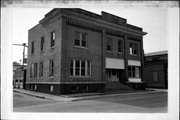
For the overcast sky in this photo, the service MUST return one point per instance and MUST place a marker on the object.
(152, 20)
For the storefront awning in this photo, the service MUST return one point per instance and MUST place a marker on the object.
(114, 63)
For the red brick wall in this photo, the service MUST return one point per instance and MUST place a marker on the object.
(35, 35)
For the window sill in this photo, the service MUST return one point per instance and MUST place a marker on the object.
(51, 77)
(80, 47)
(52, 47)
(109, 52)
(133, 55)
(79, 76)
(120, 53)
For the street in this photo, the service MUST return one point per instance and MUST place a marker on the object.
(21, 100)
(155, 102)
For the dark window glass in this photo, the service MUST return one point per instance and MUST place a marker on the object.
(53, 37)
(77, 68)
(109, 44)
(88, 68)
(120, 46)
(133, 49)
(77, 39)
(84, 40)
(82, 68)
(40, 69)
(42, 43)
(35, 69)
(71, 67)
(32, 47)
(51, 68)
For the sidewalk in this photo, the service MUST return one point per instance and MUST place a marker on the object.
(79, 96)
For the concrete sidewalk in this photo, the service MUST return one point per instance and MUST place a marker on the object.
(77, 97)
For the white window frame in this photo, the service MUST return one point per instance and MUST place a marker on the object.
(136, 72)
(121, 46)
(53, 37)
(80, 39)
(41, 69)
(86, 68)
(51, 68)
(42, 43)
(51, 88)
(111, 44)
(133, 48)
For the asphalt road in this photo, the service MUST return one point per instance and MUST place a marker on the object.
(138, 103)
(22, 100)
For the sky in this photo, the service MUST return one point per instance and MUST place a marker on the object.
(152, 20)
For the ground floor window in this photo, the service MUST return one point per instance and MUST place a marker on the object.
(134, 72)
(51, 88)
(51, 68)
(80, 68)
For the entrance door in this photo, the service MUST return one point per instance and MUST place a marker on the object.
(112, 75)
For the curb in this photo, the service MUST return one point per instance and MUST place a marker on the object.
(73, 99)
(111, 95)
(30, 94)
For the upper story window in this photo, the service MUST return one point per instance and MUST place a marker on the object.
(42, 43)
(80, 68)
(134, 72)
(109, 44)
(40, 69)
(120, 46)
(81, 39)
(51, 68)
(32, 47)
(53, 37)
(133, 49)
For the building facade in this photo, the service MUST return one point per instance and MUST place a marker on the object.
(74, 50)
(156, 70)
(18, 75)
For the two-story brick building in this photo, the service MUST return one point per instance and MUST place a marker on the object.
(74, 50)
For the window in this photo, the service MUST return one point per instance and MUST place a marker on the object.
(71, 67)
(32, 47)
(51, 88)
(35, 69)
(80, 68)
(84, 40)
(120, 46)
(40, 69)
(134, 72)
(35, 87)
(53, 37)
(80, 39)
(109, 44)
(31, 70)
(42, 43)
(83, 68)
(77, 39)
(88, 68)
(133, 49)
(77, 68)
(51, 68)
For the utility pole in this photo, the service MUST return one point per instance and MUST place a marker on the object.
(23, 61)
(24, 45)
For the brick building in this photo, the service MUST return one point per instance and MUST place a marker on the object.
(18, 75)
(74, 50)
(156, 69)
